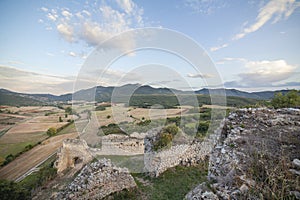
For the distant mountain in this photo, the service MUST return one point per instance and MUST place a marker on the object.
(265, 95)
(17, 99)
(101, 93)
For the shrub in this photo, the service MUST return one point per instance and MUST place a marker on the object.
(51, 131)
(164, 140)
(171, 129)
(291, 99)
(10, 190)
(202, 128)
(100, 108)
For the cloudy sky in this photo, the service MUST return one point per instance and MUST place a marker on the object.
(254, 45)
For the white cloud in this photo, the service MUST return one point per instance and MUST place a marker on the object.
(86, 12)
(85, 25)
(229, 59)
(41, 21)
(203, 76)
(44, 9)
(66, 31)
(73, 54)
(66, 14)
(218, 47)
(25, 81)
(52, 17)
(205, 6)
(263, 73)
(274, 9)
(50, 54)
(126, 5)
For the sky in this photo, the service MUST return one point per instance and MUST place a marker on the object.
(248, 45)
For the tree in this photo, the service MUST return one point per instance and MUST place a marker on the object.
(171, 129)
(69, 110)
(51, 131)
(202, 128)
(291, 99)
(10, 190)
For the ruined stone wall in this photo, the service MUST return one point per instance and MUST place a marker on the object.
(254, 139)
(184, 154)
(73, 152)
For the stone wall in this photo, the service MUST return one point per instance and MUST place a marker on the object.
(73, 153)
(254, 141)
(184, 154)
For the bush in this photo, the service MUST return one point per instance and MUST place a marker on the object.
(202, 128)
(171, 129)
(291, 99)
(100, 108)
(164, 140)
(144, 123)
(69, 111)
(51, 131)
(10, 190)
(165, 137)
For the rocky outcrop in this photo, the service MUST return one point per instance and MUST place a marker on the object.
(258, 151)
(201, 192)
(73, 153)
(97, 180)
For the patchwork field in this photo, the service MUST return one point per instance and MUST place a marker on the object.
(21, 127)
(20, 165)
(119, 113)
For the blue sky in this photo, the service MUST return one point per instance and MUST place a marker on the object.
(254, 45)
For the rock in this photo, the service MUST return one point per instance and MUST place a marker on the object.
(296, 194)
(296, 172)
(296, 163)
(201, 192)
(244, 188)
(100, 182)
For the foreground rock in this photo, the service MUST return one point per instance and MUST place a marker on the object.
(257, 156)
(97, 180)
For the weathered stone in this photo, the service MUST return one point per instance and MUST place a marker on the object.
(296, 163)
(73, 152)
(105, 184)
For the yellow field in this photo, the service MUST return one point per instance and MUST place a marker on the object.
(119, 113)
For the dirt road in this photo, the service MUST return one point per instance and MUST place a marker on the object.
(31, 158)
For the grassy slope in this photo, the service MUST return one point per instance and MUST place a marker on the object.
(173, 184)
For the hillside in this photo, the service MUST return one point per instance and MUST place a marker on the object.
(101, 94)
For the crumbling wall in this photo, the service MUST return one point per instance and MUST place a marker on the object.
(74, 152)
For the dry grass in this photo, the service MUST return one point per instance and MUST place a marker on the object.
(119, 113)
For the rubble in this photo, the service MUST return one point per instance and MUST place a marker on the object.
(97, 180)
(253, 143)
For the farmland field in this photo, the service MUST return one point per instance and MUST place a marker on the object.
(120, 113)
(20, 165)
(26, 126)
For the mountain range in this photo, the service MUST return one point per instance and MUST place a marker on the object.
(101, 93)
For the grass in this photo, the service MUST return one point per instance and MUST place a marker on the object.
(133, 163)
(14, 149)
(69, 129)
(36, 179)
(173, 184)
